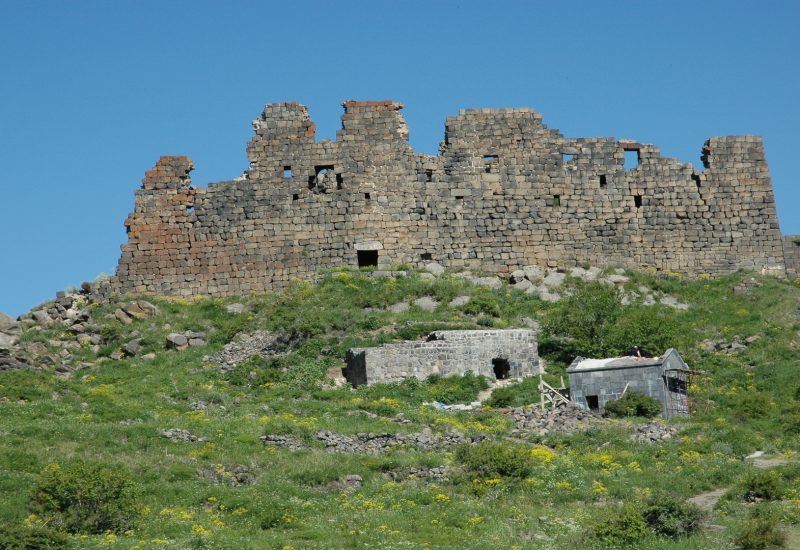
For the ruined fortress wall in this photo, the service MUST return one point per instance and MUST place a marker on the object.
(446, 353)
(506, 191)
(791, 250)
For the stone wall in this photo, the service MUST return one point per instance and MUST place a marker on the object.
(513, 352)
(505, 192)
(791, 251)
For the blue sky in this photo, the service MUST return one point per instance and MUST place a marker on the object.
(93, 92)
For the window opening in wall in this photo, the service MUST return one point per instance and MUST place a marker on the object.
(696, 179)
(631, 159)
(339, 181)
(366, 196)
(637, 201)
(295, 197)
(320, 178)
(603, 180)
(429, 175)
(287, 172)
(566, 157)
(488, 162)
(592, 402)
(367, 258)
(459, 197)
(676, 385)
(501, 368)
(189, 209)
(426, 256)
(556, 200)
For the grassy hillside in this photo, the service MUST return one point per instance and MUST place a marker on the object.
(230, 490)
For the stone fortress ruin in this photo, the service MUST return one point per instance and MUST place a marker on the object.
(504, 192)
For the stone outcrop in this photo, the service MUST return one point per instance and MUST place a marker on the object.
(499, 354)
(505, 192)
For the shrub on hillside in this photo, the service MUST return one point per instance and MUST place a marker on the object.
(765, 485)
(671, 517)
(618, 526)
(633, 403)
(488, 459)
(14, 537)
(516, 395)
(760, 531)
(455, 389)
(584, 319)
(84, 497)
(652, 328)
(753, 404)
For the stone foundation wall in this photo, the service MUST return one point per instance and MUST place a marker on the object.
(505, 192)
(791, 251)
(446, 353)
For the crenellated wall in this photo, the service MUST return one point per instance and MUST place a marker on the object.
(505, 192)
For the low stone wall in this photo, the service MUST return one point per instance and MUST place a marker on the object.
(492, 353)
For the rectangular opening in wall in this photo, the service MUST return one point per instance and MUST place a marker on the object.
(459, 197)
(566, 157)
(287, 172)
(603, 181)
(295, 197)
(556, 200)
(593, 402)
(367, 258)
(631, 159)
(489, 161)
(426, 256)
(339, 181)
(637, 201)
(429, 175)
(190, 209)
(367, 196)
(696, 179)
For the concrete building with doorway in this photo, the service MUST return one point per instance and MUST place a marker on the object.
(497, 354)
(594, 382)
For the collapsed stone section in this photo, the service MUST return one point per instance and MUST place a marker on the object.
(498, 354)
(506, 191)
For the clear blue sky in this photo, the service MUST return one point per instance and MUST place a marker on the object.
(93, 92)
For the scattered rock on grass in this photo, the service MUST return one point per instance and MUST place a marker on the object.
(176, 434)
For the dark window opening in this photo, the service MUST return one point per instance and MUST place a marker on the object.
(295, 197)
(189, 209)
(501, 368)
(321, 174)
(637, 201)
(287, 172)
(631, 159)
(366, 196)
(488, 161)
(426, 256)
(459, 197)
(593, 402)
(429, 175)
(676, 385)
(367, 258)
(556, 200)
(566, 157)
(696, 179)
(603, 180)
(339, 181)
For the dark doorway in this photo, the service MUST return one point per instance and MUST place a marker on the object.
(501, 368)
(593, 402)
(367, 258)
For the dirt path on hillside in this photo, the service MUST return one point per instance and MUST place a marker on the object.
(706, 501)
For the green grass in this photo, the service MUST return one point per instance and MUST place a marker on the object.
(112, 412)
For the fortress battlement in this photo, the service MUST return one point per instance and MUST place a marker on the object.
(505, 191)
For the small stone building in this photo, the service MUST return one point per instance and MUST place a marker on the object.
(496, 354)
(594, 382)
